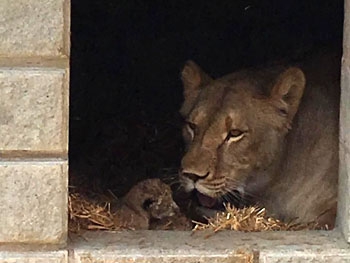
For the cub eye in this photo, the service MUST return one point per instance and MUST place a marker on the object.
(234, 135)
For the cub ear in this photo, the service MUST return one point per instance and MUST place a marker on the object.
(288, 90)
(193, 77)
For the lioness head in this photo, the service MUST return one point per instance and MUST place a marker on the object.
(234, 129)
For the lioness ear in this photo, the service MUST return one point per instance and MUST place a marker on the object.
(193, 77)
(288, 90)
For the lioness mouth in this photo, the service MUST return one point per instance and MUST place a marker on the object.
(215, 203)
(205, 200)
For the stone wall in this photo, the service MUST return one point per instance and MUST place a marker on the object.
(344, 137)
(34, 77)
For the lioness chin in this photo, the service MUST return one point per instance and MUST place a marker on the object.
(266, 137)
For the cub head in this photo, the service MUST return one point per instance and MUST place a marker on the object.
(234, 130)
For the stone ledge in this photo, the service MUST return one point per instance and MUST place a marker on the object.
(154, 246)
(34, 28)
(34, 62)
(176, 246)
(345, 106)
(290, 255)
(33, 256)
(227, 246)
(343, 192)
(34, 201)
(34, 110)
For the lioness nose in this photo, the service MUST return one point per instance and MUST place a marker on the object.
(195, 177)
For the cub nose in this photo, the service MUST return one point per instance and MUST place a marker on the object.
(195, 177)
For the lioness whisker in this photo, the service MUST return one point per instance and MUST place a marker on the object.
(179, 187)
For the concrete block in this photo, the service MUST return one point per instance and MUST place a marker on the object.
(290, 256)
(225, 246)
(33, 256)
(112, 258)
(33, 202)
(33, 110)
(343, 215)
(155, 247)
(304, 246)
(34, 28)
(344, 103)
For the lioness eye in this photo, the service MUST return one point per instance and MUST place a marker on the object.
(234, 135)
(191, 125)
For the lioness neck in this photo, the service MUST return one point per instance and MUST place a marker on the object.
(309, 167)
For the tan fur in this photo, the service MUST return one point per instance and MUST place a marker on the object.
(282, 151)
(156, 195)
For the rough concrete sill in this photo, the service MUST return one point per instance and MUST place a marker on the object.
(172, 246)
(166, 246)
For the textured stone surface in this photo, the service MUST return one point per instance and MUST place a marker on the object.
(176, 246)
(33, 257)
(37, 62)
(111, 258)
(33, 110)
(305, 246)
(155, 246)
(344, 155)
(344, 104)
(343, 214)
(228, 246)
(34, 27)
(33, 202)
(345, 81)
(284, 256)
(327, 248)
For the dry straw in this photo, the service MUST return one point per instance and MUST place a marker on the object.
(88, 214)
(250, 219)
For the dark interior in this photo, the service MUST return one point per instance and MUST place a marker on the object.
(125, 65)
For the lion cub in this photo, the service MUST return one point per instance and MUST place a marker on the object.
(266, 137)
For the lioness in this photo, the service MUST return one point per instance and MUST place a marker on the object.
(268, 137)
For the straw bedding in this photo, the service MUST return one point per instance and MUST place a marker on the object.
(99, 213)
